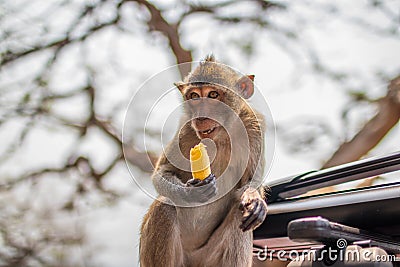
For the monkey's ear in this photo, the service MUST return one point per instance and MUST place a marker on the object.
(245, 86)
(180, 86)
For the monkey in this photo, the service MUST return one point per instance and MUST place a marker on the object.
(209, 222)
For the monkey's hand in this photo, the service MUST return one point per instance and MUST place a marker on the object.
(201, 190)
(254, 209)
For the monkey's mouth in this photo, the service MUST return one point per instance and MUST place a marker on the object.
(209, 133)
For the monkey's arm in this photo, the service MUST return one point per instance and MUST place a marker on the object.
(253, 207)
(252, 192)
(168, 182)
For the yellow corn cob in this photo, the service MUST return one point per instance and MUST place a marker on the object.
(199, 161)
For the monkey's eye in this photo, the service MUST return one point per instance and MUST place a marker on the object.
(213, 94)
(194, 95)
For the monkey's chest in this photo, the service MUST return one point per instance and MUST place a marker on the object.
(197, 224)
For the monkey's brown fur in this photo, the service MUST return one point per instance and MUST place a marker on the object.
(217, 233)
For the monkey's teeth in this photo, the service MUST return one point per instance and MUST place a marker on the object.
(208, 131)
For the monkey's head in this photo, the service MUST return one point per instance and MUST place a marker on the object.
(214, 94)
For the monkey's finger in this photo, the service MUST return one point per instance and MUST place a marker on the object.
(196, 183)
(210, 187)
(254, 224)
(244, 205)
(250, 209)
(257, 217)
(193, 182)
(248, 214)
(211, 183)
(249, 220)
(260, 219)
(209, 180)
(204, 187)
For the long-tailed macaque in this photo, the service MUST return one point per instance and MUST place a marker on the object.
(209, 222)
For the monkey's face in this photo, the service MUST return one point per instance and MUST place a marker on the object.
(214, 98)
(207, 109)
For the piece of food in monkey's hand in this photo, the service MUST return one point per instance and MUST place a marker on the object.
(200, 162)
(254, 212)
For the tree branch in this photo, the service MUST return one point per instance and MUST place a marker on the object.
(10, 56)
(158, 23)
(374, 130)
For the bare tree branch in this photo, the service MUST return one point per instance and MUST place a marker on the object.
(11, 56)
(374, 131)
(158, 23)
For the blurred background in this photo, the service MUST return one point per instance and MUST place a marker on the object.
(68, 70)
